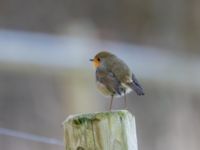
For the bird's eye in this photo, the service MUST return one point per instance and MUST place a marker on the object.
(98, 59)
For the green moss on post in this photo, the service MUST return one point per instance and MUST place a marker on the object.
(101, 131)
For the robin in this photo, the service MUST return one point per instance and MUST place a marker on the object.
(114, 77)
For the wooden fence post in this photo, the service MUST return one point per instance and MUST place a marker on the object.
(113, 130)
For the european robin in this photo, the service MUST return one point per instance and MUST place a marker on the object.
(114, 77)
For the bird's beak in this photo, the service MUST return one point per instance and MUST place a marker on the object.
(91, 59)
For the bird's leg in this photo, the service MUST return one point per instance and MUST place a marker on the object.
(125, 99)
(111, 102)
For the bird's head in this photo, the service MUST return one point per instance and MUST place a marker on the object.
(100, 58)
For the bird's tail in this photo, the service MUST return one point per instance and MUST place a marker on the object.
(136, 86)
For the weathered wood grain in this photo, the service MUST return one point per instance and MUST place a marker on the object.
(114, 130)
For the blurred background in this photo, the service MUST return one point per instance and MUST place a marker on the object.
(45, 73)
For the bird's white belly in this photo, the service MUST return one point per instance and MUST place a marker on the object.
(104, 90)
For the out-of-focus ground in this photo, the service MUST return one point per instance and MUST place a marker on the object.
(45, 73)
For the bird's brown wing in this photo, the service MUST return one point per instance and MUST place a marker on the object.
(122, 72)
(109, 80)
(120, 69)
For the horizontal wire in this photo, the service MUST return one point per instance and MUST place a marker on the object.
(28, 136)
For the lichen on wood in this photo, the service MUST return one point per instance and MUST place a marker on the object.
(113, 130)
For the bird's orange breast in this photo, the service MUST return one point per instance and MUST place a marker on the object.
(96, 63)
